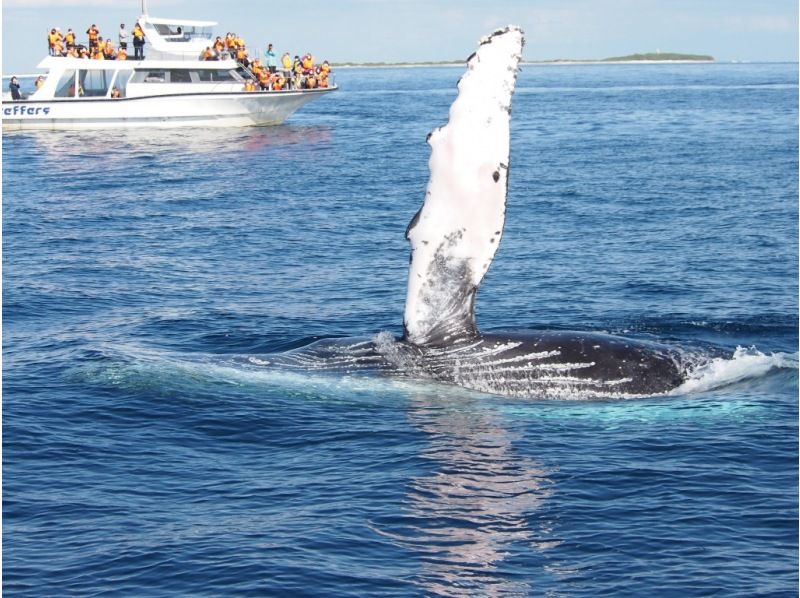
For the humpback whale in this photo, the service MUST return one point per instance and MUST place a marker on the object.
(454, 237)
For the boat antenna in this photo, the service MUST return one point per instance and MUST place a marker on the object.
(144, 7)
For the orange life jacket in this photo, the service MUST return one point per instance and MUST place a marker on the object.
(122, 54)
(241, 54)
(219, 45)
(278, 83)
(308, 62)
(93, 33)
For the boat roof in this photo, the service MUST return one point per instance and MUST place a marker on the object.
(63, 63)
(189, 22)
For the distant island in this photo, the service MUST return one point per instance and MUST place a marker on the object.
(647, 57)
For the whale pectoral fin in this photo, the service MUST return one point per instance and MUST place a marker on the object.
(455, 234)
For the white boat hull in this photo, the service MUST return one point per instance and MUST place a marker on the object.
(225, 109)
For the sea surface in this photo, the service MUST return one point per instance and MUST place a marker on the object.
(145, 273)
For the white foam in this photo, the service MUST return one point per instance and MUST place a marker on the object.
(744, 364)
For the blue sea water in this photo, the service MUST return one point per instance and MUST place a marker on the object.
(141, 270)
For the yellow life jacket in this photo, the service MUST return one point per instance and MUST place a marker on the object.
(287, 61)
(70, 38)
(308, 61)
(52, 38)
(241, 54)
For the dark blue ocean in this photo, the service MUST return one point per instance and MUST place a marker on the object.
(141, 271)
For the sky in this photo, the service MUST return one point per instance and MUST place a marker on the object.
(434, 30)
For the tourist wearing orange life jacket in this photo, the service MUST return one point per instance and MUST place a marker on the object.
(138, 42)
(94, 33)
(241, 55)
(219, 45)
(207, 54)
(278, 82)
(263, 79)
(308, 63)
(52, 38)
(122, 54)
(108, 51)
(69, 38)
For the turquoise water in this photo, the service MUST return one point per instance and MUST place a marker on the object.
(145, 276)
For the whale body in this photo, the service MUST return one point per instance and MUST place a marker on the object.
(454, 237)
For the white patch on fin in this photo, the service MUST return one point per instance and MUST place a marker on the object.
(455, 234)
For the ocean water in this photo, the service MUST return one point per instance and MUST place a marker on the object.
(146, 274)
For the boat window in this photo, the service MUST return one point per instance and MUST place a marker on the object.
(182, 33)
(94, 82)
(66, 85)
(155, 77)
(216, 75)
(121, 81)
(179, 76)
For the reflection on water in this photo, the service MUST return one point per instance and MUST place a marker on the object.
(473, 509)
(124, 144)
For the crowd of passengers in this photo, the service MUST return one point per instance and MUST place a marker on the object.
(297, 73)
(97, 48)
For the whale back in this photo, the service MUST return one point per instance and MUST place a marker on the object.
(455, 234)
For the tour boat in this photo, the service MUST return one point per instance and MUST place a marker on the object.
(170, 87)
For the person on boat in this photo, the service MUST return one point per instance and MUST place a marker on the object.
(13, 87)
(308, 63)
(73, 52)
(94, 33)
(52, 38)
(325, 67)
(263, 79)
(230, 44)
(122, 54)
(69, 39)
(115, 93)
(83, 52)
(138, 42)
(219, 45)
(39, 81)
(249, 85)
(286, 63)
(272, 59)
(58, 50)
(256, 67)
(311, 80)
(241, 55)
(278, 82)
(123, 37)
(207, 54)
(108, 50)
(97, 53)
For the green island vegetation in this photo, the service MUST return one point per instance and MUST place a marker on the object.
(646, 57)
(660, 56)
